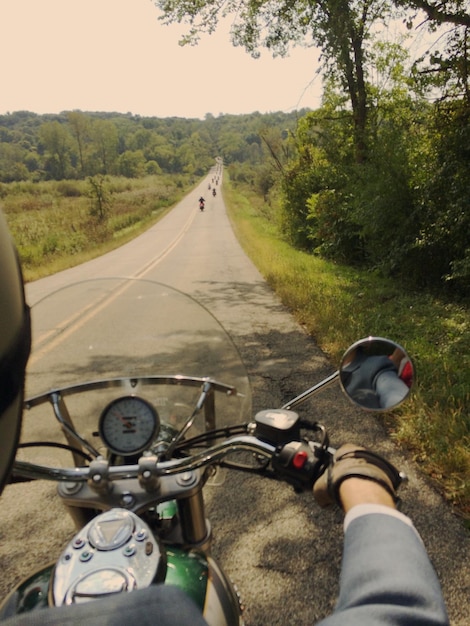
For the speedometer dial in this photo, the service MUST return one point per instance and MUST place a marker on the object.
(128, 425)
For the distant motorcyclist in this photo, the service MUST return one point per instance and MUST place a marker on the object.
(214, 193)
(202, 203)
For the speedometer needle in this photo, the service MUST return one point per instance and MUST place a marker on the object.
(126, 422)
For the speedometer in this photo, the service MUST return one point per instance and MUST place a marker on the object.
(128, 425)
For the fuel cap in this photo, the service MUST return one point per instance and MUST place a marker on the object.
(99, 583)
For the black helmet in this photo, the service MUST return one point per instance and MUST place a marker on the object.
(15, 344)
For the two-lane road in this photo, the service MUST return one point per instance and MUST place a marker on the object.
(280, 549)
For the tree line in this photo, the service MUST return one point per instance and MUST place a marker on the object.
(77, 145)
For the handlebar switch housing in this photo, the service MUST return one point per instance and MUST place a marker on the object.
(297, 464)
(277, 426)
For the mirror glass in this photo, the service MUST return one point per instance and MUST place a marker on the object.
(376, 374)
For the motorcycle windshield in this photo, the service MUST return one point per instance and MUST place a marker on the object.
(156, 340)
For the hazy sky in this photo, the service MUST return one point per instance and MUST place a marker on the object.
(114, 55)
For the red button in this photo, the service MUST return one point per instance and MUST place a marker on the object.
(299, 459)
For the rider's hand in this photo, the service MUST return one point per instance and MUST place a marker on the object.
(352, 461)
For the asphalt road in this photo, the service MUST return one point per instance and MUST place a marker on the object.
(281, 550)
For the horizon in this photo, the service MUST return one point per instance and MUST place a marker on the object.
(134, 115)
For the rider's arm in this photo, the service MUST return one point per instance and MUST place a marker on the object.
(386, 575)
(390, 388)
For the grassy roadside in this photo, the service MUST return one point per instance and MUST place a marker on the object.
(54, 224)
(339, 304)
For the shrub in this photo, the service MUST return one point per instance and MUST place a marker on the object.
(69, 189)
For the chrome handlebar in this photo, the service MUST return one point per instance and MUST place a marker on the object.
(210, 456)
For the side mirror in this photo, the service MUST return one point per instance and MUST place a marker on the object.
(376, 374)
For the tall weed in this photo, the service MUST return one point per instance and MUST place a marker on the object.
(54, 225)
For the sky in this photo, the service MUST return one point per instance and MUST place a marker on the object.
(115, 55)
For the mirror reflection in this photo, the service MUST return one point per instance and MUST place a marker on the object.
(376, 374)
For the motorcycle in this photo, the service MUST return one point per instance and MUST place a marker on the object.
(145, 445)
(202, 204)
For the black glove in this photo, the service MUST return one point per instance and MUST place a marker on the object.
(353, 461)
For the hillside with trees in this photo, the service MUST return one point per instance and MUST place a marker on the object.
(402, 211)
(75, 145)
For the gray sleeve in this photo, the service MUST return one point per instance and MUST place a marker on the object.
(386, 577)
(157, 605)
(390, 389)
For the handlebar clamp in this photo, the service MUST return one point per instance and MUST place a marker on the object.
(148, 478)
(99, 476)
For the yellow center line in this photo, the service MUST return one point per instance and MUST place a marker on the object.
(76, 322)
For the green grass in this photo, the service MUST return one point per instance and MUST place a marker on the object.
(339, 304)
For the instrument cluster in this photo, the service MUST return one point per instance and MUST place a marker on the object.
(128, 425)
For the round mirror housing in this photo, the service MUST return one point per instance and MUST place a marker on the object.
(376, 374)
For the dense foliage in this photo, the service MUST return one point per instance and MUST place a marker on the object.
(76, 145)
(404, 211)
(337, 303)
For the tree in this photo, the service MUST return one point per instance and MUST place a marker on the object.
(441, 252)
(56, 141)
(132, 163)
(80, 127)
(341, 28)
(105, 140)
(12, 165)
(344, 30)
(445, 67)
(448, 12)
(231, 145)
(100, 197)
(196, 155)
